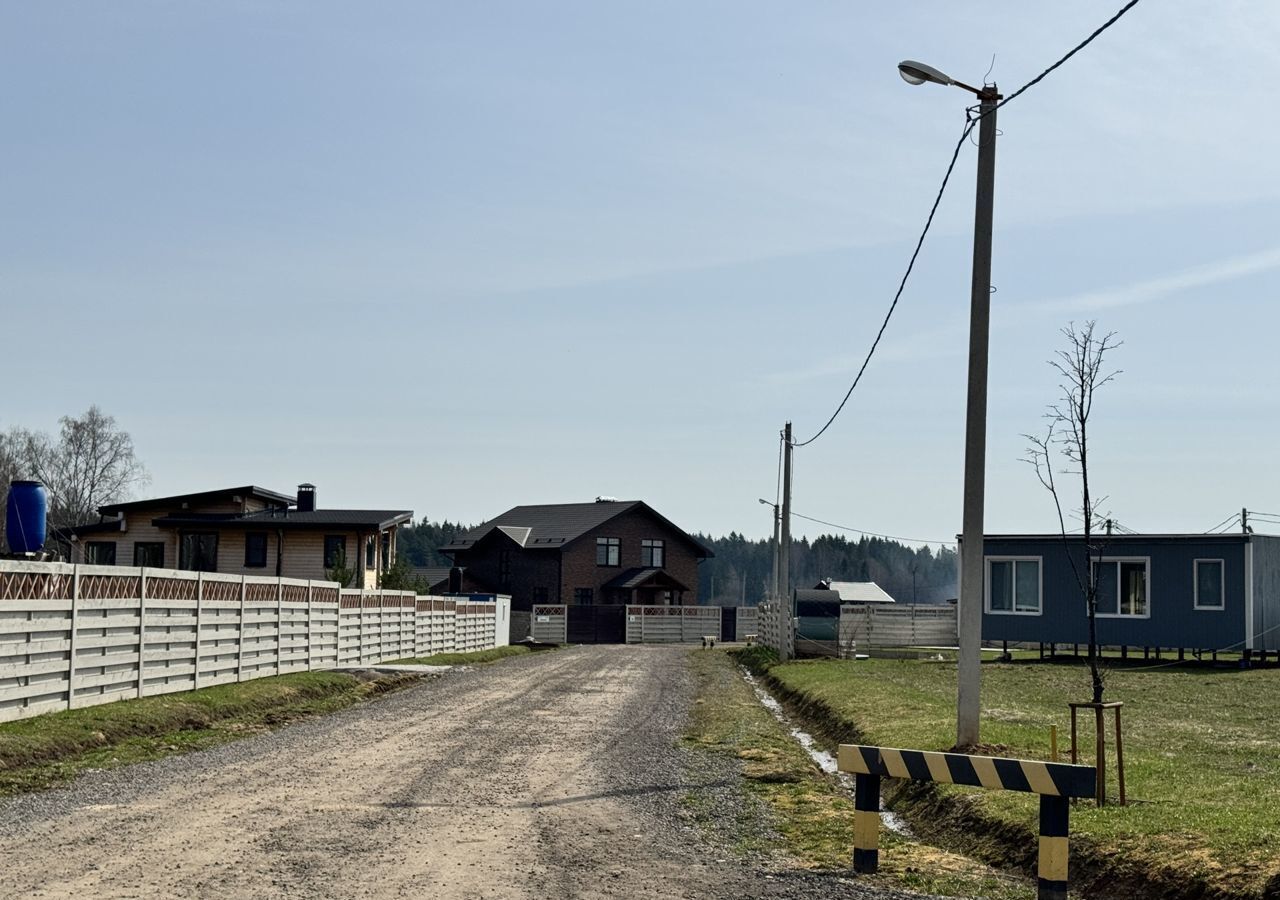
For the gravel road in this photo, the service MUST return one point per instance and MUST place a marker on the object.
(550, 775)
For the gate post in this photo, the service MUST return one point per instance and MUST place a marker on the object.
(866, 824)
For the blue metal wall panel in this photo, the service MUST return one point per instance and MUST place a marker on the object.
(1174, 622)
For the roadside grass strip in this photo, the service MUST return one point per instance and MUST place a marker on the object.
(1202, 764)
(473, 658)
(811, 814)
(44, 751)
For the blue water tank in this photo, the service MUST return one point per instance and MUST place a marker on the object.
(25, 516)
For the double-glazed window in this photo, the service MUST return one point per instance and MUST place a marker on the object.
(608, 551)
(1210, 593)
(100, 553)
(198, 551)
(149, 553)
(1123, 587)
(652, 554)
(1013, 586)
(584, 596)
(255, 550)
(335, 550)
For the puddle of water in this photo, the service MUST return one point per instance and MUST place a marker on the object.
(825, 760)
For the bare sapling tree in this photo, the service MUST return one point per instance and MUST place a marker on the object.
(1063, 449)
(91, 464)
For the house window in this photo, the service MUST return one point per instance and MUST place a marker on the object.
(652, 554)
(100, 553)
(1210, 592)
(149, 553)
(584, 596)
(1013, 586)
(608, 551)
(539, 595)
(198, 551)
(255, 550)
(386, 550)
(335, 550)
(368, 551)
(1122, 587)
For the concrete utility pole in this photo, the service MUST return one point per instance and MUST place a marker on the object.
(777, 544)
(972, 567)
(784, 553)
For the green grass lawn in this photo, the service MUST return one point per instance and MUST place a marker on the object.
(1202, 749)
(811, 815)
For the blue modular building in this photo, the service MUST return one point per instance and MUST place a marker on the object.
(1177, 591)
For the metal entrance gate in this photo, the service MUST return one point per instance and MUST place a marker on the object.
(597, 624)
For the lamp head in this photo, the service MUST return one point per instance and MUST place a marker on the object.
(913, 72)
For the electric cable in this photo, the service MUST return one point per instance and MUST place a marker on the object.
(1229, 520)
(892, 537)
(971, 121)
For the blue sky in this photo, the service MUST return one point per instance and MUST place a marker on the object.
(457, 257)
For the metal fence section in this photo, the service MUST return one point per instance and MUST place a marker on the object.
(671, 624)
(550, 624)
(79, 635)
(897, 625)
(747, 622)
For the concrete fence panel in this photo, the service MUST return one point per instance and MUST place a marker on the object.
(80, 635)
(898, 625)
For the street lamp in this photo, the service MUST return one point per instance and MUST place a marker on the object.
(777, 543)
(969, 614)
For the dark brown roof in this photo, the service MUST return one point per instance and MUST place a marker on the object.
(554, 525)
(249, 490)
(642, 577)
(319, 518)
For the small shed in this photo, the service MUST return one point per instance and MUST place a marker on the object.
(818, 609)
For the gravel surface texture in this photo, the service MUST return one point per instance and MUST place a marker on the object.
(547, 776)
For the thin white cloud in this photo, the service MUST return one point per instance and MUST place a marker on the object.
(1159, 288)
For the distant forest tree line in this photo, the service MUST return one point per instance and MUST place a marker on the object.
(739, 572)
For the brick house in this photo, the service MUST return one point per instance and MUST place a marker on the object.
(245, 530)
(582, 554)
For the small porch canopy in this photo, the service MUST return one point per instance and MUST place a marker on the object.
(645, 586)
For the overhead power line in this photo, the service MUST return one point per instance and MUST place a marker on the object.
(892, 537)
(971, 121)
(1228, 521)
(955, 154)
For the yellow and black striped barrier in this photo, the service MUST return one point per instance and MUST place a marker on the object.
(1056, 783)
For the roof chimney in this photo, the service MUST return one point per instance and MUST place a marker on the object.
(306, 498)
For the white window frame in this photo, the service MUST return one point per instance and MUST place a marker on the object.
(1146, 561)
(1039, 610)
(1222, 587)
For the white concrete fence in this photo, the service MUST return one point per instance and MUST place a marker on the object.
(671, 624)
(79, 635)
(897, 625)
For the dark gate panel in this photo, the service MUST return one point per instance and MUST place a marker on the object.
(728, 623)
(597, 624)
